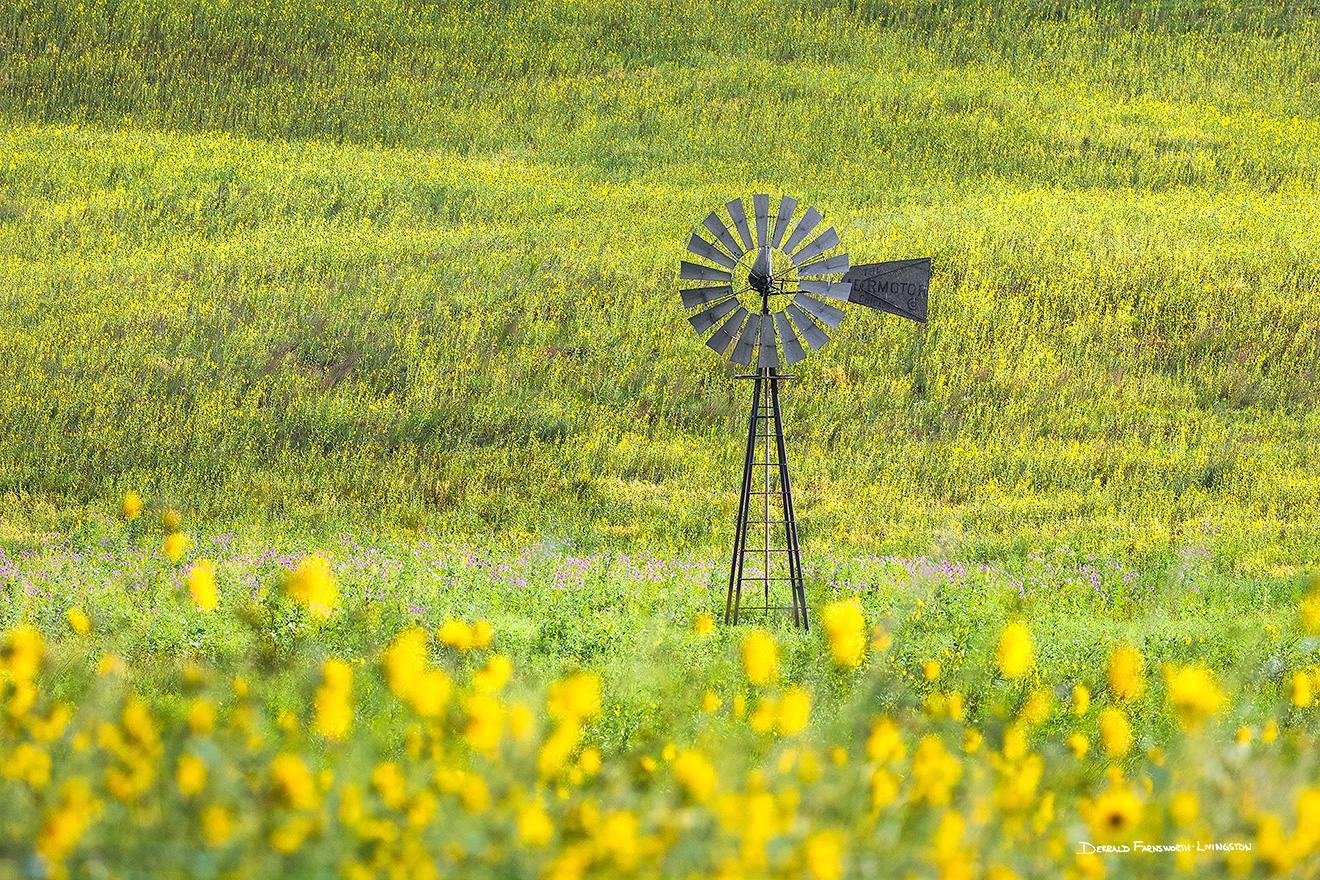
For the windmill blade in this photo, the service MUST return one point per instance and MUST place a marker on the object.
(826, 240)
(715, 226)
(823, 312)
(739, 217)
(703, 248)
(696, 297)
(827, 266)
(719, 341)
(761, 208)
(694, 272)
(703, 321)
(822, 287)
(787, 205)
(792, 348)
(742, 352)
(900, 287)
(815, 336)
(810, 220)
(767, 355)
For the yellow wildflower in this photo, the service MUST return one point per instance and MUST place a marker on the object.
(387, 779)
(190, 774)
(457, 634)
(201, 716)
(845, 626)
(696, 775)
(1308, 610)
(1114, 814)
(704, 624)
(574, 698)
(1126, 676)
(760, 657)
(494, 676)
(793, 711)
(22, 653)
(201, 584)
(482, 633)
(1184, 808)
(63, 826)
(1016, 654)
(405, 662)
(473, 794)
(292, 782)
(485, 723)
(334, 699)
(312, 585)
(824, 855)
(1302, 691)
(934, 772)
(1079, 745)
(1193, 694)
(534, 825)
(131, 508)
(931, 670)
(176, 544)
(710, 702)
(885, 744)
(78, 620)
(1081, 699)
(1115, 732)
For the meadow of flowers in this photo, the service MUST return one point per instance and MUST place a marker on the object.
(364, 494)
(245, 705)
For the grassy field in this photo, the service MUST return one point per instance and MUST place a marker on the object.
(374, 306)
(457, 309)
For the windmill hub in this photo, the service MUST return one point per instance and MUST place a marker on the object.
(761, 278)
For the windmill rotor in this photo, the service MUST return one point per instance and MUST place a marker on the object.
(749, 275)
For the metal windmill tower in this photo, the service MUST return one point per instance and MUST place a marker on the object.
(762, 296)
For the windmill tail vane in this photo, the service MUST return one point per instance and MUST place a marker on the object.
(761, 290)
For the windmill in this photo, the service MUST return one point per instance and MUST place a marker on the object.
(762, 296)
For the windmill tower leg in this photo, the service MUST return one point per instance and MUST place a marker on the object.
(774, 464)
(790, 522)
(744, 505)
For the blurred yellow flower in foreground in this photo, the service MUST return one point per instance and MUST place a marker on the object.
(22, 653)
(824, 855)
(1308, 610)
(793, 711)
(1015, 654)
(291, 782)
(1192, 693)
(1302, 691)
(574, 698)
(1126, 676)
(131, 508)
(312, 585)
(201, 584)
(78, 620)
(760, 657)
(1115, 732)
(1114, 814)
(696, 775)
(845, 625)
(190, 774)
(456, 634)
(334, 699)
(1081, 695)
(176, 544)
(704, 625)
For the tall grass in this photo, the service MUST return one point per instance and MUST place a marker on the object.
(417, 263)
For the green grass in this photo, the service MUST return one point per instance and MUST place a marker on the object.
(417, 266)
